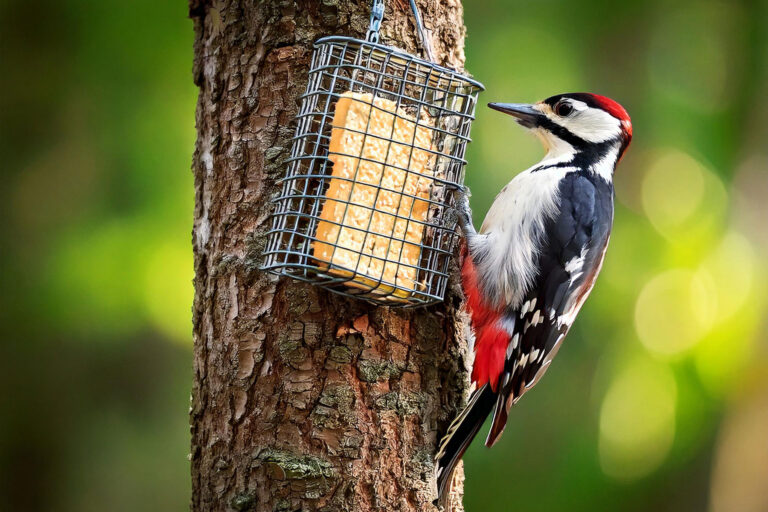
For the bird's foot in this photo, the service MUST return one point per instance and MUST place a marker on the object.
(463, 210)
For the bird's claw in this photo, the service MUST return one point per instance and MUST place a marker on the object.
(463, 210)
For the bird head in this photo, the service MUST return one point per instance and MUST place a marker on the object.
(575, 123)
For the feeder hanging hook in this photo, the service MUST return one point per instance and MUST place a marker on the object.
(377, 15)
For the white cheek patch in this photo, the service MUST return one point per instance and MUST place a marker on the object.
(591, 124)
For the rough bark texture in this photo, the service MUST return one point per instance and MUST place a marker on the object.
(302, 400)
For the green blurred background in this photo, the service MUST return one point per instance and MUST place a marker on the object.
(659, 399)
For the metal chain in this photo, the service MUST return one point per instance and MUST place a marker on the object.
(377, 14)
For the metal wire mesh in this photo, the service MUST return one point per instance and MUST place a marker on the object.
(379, 146)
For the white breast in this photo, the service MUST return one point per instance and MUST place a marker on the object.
(505, 253)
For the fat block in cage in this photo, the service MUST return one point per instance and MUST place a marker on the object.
(376, 206)
(364, 205)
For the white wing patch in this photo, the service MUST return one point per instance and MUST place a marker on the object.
(577, 300)
(575, 267)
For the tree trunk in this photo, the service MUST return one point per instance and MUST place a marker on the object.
(302, 400)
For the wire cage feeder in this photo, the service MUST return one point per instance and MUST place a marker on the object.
(365, 205)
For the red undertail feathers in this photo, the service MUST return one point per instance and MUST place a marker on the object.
(491, 339)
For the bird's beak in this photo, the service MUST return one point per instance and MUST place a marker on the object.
(526, 115)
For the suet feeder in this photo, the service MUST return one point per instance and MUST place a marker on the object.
(365, 204)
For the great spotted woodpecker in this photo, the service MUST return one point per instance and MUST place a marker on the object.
(529, 269)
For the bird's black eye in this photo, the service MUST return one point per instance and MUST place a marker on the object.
(563, 109)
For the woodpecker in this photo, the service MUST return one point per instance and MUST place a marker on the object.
(533, 263)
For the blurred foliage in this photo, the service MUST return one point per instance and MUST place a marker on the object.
(657, 400)
(97, 128)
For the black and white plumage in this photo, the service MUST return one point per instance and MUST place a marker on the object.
(533, 263)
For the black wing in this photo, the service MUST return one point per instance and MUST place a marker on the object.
(569, 261)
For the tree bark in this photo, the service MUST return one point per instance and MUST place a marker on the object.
(302, 400)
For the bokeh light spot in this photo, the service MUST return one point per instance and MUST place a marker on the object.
(730, 270)
(741, 463)
(637, 420)
(667, 317)
(674, 190)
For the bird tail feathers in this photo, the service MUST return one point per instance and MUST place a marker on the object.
(460, 434)
(499, 421)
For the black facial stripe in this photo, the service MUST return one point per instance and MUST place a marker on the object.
(586, 153)
(552, 166)
(593, 153)
(561, 132)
